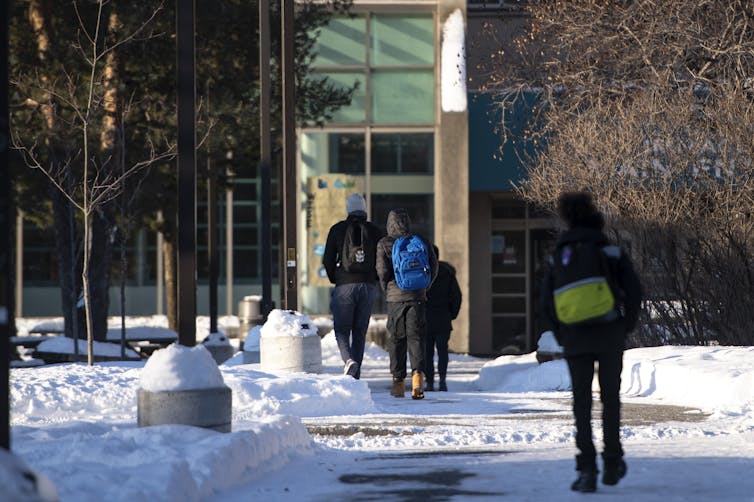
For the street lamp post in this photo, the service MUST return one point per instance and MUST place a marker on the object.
(265, 158)
(289, 284)
(7, 219)
(186, 87)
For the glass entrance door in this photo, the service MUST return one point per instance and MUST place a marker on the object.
(518, 263)
(509, 291)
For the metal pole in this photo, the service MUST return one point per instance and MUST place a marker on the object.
(186, 86)
(7, 217)
(265, 159)
(212, 247)
(19, 265)
(290, 189)
(229, 251)
(211, 236)
(160, 269)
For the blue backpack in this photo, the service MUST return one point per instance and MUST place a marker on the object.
(411, 263)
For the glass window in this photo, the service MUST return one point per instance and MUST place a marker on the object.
(354, 113)
(342, 43)
(332, 152)
(420, 209)
(244, 190)
(509, 334)
(245, 263)
(402, 40)
(403, 97)
(508, 252)
(40, 267)
(412, 153)
(332, 168)
(508, 285)
(244, 214)
(507, 209)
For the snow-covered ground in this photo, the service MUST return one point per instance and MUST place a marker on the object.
(503, 431)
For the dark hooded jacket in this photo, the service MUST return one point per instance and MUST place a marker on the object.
(604, 337)
(334, 245)
(443, 300)
(398, 224)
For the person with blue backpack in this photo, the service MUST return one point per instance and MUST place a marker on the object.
(406, 267)
(591, 296)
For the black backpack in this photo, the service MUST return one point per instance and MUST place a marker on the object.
(358, 255)
(584, 290)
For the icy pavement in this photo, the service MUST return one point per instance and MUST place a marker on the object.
(467, 445)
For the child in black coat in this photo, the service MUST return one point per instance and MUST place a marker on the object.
(443, 305)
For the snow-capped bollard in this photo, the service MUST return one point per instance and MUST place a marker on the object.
(219, 346)
(251, 346)
(182, 385)
(289, 341)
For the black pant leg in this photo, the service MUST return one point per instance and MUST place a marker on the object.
(441, 342)
(610, 367)
(429, 357)
(396, 326)
(416, 334)
(581, 368)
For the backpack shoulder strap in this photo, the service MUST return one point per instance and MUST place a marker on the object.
(612, 251)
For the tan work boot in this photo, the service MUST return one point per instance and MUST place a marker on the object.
(417, 381)
(398, 389)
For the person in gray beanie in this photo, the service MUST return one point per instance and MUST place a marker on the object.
(349, 259)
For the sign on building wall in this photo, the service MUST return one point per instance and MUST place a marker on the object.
(327, 205)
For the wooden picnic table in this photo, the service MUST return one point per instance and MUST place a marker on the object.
(144, 340)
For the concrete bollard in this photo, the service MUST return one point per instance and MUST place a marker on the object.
(291, 353)
(183, 385)
(219, 347)
(209, 408)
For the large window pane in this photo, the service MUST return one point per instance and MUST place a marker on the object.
(323, 152)
(408, 153)
(342, 43)
(508, 250)
(420, 209)
(332, 168)
(355, 112)
(402, 40)
(403, 97)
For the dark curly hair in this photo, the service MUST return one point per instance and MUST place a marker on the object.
(577, 210)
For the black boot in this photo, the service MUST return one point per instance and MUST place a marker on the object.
(615, 469)
(586, 482)
(443, 385)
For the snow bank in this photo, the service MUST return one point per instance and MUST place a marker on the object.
(257, 393)
(252, 339)
(163, 463)
(523, 374)
(63, 345)
(717, 379)
(713, 379)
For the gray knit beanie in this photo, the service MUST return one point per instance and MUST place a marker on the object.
(355, 203)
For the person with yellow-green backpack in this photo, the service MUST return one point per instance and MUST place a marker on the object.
(591, 296)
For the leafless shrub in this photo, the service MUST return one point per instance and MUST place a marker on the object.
(649, 106)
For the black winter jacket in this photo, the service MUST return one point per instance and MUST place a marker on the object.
(334, 246)
(596, 338)
(443, 300)
(397, 226)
